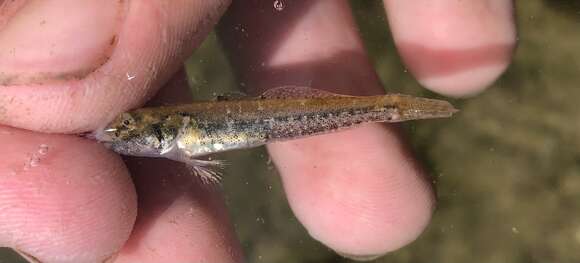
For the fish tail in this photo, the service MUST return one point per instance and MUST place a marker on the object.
(415, 108)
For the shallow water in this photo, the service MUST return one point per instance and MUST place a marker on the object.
(507, 169)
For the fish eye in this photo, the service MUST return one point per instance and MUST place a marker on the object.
(127, 120)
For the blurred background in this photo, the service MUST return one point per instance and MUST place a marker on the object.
(506, 169)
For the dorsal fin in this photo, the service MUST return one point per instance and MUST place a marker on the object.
(297, 92)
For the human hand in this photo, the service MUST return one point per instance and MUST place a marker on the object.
(65, 199)
(360, 192)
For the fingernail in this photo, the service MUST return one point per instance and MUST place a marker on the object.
(44, 41)
(456, 72)
(359, 257)
(27, 256)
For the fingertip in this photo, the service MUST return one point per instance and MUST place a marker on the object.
(364, 202)
(179, 220)
(456, 73)
(456, 48)
(66, 199)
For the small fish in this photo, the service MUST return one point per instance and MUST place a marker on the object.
(185, 132)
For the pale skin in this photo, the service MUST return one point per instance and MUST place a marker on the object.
(86, 199)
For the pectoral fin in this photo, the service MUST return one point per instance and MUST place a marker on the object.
(208, 171)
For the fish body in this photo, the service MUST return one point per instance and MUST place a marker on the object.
(184, 132)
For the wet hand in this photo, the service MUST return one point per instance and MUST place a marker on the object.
(360, 191)
(66, 199)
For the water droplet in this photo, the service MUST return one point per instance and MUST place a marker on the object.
(190, 212)
(279, 5)
(34, 161)
(43, 149)
(35, 158)
(129, 76)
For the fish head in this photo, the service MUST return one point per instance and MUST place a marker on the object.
(137, 135)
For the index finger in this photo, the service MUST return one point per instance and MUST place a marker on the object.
(456, 48)
(358, 191)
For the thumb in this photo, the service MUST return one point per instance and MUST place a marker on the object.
(68, 66)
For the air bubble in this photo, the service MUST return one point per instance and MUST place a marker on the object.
(279, 5)
(35, 158)
(129, 76)
(43, 149)
(34, 161)
(164, 182)
(190, 212)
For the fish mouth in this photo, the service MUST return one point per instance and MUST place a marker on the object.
(101, 135)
